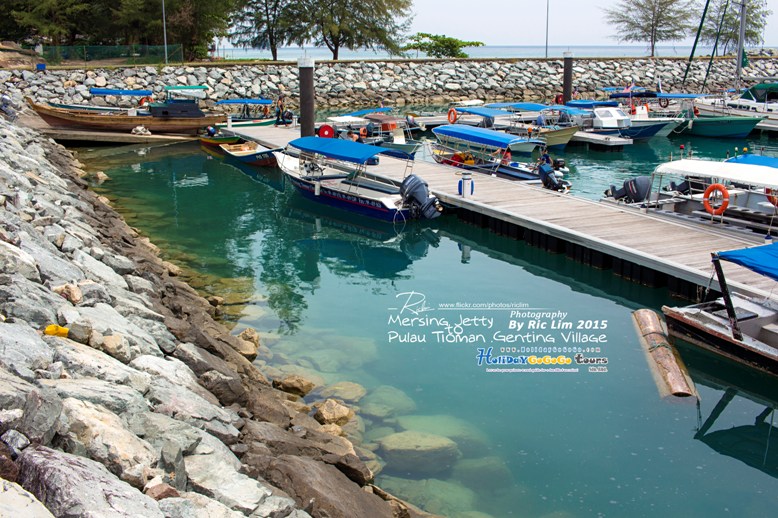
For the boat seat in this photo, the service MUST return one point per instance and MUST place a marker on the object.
(373, 185)
(740, 313)
(769, 333)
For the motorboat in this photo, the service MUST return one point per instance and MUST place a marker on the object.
(334, 172)
(251, 153)
(490, 152)
(248, 112)
(742, 328)
(738, 194)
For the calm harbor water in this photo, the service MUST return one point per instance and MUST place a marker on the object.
(340, 299)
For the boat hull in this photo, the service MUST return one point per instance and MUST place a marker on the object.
(348, 201)
(682, 325)
(90, 120)
(251, 153)
(219, 140)
(721, 126)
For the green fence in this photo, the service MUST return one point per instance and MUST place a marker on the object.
(118, 54)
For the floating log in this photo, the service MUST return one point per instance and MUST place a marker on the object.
(664, 362)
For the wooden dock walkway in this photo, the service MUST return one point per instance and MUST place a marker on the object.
(678, 250)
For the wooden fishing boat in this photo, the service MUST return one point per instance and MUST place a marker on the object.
(334, 172)
(251, 153)
(156, 121)
(741, 328)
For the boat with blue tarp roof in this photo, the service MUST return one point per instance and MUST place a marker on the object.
(334, 172)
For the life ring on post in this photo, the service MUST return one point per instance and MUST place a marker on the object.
(145, 100)
(772, 195)
(326, 131)
(559, 99)
(664, 102)
(716, 187)
(452, 115)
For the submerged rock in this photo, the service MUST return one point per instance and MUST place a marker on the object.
(418, 452)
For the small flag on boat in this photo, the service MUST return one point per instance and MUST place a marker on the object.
(630, 87)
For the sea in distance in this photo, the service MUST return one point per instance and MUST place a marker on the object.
(414, 314)
(487, 51)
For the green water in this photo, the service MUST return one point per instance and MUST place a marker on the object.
(327, 292)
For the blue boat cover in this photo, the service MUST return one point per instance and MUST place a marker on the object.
(750, 159)
(338, 149)
(111, 91)
(360, 113)
(588, 104)
(481, 111)
(526, 107)
(760, 259)
(482, 136)
(245, 101)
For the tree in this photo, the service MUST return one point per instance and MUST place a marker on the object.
(261, 24)
(652, 21)
(756, 21)
(56, 21)
(195, 23)
(439, 46)
(351, 24)
(10, 30)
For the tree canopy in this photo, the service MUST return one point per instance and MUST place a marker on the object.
(756, 20)
(351, 24)
(192, 23)
(652, 21)
(439, 46)
(261, 24)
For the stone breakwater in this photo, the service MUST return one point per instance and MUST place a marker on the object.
(395, 82)
(119, 393)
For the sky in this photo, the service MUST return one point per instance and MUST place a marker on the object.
(523, 22)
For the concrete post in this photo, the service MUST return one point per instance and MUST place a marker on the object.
(567, 78)
(307, 97)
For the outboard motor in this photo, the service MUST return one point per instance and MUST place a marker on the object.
(416, 196)
(551, 180)
(559, 163)
(633, 191)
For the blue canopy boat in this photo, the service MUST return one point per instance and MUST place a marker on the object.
(249, 112)
(744, 329)
(334, 171)
(458, 135)
(488, 151)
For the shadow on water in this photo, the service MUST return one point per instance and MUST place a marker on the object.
(749, 436)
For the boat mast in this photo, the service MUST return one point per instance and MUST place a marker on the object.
(740, 42)
(736, 333)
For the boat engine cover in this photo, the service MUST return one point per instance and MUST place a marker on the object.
(415, 193)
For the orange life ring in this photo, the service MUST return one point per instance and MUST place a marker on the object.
(452, 115)
(559, 99)
(696, 111)
(772, 195)
(145, 100)
(724, 199)
(363, 132)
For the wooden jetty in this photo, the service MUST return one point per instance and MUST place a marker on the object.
(644, 247)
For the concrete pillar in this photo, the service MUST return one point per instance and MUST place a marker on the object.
(307, 97)
(567, 78)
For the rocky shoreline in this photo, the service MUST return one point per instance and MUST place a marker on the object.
(120, 395)
(397, 82)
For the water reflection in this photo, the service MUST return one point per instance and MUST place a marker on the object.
(349, 244)
(746, 433)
